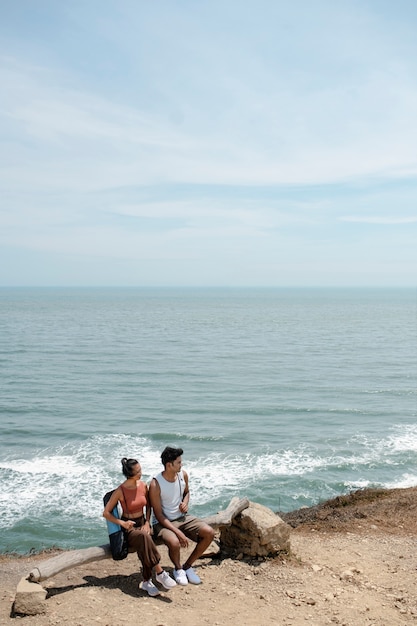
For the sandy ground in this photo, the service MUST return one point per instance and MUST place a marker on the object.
(352, 562)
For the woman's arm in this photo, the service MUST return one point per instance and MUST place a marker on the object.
(107, 513)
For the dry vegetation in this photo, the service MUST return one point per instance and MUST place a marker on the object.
(392, 510)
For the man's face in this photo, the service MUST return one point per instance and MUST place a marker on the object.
(177, 464)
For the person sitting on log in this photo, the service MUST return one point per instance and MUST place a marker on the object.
(133, 496)
(169, 496)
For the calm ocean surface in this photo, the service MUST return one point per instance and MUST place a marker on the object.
(287, 396)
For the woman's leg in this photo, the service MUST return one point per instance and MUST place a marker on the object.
(146, 550)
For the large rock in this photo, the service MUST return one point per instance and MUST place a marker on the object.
(257, 531)
(30, 598)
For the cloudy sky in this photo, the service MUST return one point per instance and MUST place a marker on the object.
(208, 142)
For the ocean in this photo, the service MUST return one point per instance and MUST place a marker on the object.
(286, 396)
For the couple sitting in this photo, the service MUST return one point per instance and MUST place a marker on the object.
(168, 497)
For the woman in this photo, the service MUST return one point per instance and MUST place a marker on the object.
(133, 496)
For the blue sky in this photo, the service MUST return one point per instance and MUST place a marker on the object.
(208, 142)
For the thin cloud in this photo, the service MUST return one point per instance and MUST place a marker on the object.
(213, 133)
(369, 219)
(277, 139)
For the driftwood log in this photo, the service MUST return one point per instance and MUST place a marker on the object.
(74, 558)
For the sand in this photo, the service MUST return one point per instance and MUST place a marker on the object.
(352, 562)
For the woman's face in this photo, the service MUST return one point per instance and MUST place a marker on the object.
(136, 471)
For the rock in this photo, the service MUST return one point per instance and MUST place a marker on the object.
(256, 531)
(30, 598)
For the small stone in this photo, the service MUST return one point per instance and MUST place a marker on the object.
(30, 598)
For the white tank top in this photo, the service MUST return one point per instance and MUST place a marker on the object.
(171, 495)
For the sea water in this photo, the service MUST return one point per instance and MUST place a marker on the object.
(286, 396)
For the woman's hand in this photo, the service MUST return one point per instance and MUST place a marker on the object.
(128, 524)
(147, 527)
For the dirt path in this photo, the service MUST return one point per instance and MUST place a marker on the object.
(356, 566)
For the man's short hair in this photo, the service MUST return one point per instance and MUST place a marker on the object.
(170, 454)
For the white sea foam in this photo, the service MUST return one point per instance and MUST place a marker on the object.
(219, 474)
(404, 439)
(406, 480)
(352, 485)
(72, 479)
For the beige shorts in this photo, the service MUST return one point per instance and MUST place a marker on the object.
(188, 524)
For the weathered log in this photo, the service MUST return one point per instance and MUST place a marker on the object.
(73, 558)
(224, 518)
(67, 560)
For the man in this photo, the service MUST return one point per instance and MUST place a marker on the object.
(169, 495)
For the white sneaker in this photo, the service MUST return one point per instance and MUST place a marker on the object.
(180, 577)
(165, 580)
(148, 586)
(193, 578)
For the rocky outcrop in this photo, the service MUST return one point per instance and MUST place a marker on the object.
(257, 531)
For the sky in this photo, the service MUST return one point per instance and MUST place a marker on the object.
(208, 143)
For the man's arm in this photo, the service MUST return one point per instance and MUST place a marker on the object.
(186, 496)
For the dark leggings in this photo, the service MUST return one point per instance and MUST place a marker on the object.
(145, 548)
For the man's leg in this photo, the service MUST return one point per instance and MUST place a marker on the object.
(171, 541)
(173, 544)
(205, 537)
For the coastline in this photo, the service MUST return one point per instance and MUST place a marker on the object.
(353, 561)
